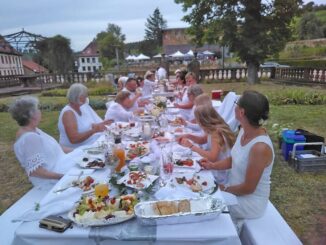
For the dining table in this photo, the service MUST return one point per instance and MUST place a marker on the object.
(61, 199)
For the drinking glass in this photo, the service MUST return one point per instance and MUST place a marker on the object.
(167, 165)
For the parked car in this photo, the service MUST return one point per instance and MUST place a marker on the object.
(272, 64)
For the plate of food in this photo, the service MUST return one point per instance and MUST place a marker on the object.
(86, 184)
(184, 163)
(98, 211)
(133, 132)
(92, 162)
(137, 180)
(176, 122)
(137, 149)
(198, 182)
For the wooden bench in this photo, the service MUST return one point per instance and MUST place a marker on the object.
(270, 229)
(8, 227)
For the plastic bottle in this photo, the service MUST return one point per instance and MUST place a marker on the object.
(119, 152)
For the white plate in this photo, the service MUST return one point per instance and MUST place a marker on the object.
(67, 183)
(200, 177)
(129, 146)
(146, 182)
(100, 222)
(133, 132)
(173, 111)
(83, 163)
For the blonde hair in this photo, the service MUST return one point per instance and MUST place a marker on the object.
(121, 96)
(203, 99)
(212, 123)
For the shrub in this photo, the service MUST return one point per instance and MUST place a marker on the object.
(100, 89)
(296, 97)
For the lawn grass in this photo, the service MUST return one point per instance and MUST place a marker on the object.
(299, 197)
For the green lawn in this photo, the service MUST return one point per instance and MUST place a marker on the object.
(299, 197)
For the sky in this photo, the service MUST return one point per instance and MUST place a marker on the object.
(81, 20)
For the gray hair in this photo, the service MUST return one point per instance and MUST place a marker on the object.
(23, 109)
(75, 91)
(195, 90)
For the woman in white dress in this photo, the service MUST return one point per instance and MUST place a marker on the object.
(78, 123)
(251, 160)
(217, 135)
(118, 110)
(39, 154)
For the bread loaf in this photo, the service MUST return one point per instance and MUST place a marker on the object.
(184, 206)
(171, 207)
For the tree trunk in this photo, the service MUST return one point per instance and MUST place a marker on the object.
(252, 73)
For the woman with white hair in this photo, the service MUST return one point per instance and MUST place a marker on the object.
(78, 123)
(39, 154)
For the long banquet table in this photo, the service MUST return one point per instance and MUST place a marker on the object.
(220, 230)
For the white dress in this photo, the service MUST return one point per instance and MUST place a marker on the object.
(221, 176)
(185, 99)
(117, 113)
(252, 205)
(84, 123)
(38, 149)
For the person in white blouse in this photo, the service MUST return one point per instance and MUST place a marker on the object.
(251, 160)
(117, 110)
(135, 100)
(148, 84)
(78, 123)
(217, 135)
(39, 154)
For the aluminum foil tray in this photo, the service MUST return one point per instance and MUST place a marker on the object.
(201, 209)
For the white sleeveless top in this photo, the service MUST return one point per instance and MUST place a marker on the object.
(254, 204)
(38, 149)
(84, 123)
(221, 176)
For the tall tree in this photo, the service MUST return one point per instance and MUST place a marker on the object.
(110, 42)
(310, 27)
(154, 26)
(55, 54)
(254, 29)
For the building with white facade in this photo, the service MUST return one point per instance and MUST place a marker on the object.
(10, 60)
(88, 59)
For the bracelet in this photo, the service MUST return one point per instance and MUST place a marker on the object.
(191, 146)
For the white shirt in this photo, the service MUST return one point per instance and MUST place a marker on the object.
(148, 88)
(131, 96)
(252, 205)
(84, 123)
(38, 149)
(118, 113)
(161, 73)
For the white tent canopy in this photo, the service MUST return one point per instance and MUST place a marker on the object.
(142, 57)
(206, 52)
(157, 56)
(130, 57)
(190, 53)
(177, 54)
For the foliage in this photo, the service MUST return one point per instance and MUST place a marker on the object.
(252, 29)
(154, 26)
(310, 27)
(99, 90)
(297, 97)
(108, 42)
(55, 53)
(304, 63)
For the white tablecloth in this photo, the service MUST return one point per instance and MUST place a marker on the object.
(217, 231)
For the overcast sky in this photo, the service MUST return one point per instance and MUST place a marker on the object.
(81, 20)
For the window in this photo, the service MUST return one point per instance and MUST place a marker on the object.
(94, 68)
(88, 60)
(93, 60)
(84, 68)
(2, 60)
(89, 68)
(6, 58)
(82, 60)
(100, 67)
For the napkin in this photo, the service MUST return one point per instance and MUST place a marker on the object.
(172, 193)
(52, 204)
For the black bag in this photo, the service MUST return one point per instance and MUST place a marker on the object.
(311, 137)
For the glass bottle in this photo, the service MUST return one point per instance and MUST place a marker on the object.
(119, 152)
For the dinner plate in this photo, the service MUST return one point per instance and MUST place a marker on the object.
(69, 183)
(89, 161)
(131, 148)
(139, 185)
(205, 181)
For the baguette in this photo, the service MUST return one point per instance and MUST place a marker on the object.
(184, 206)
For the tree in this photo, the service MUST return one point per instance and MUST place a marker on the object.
(108, 42)
(154, 26)
(55, 54)
(310, 27)
(254, 29)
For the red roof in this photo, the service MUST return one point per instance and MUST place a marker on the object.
(90, 50)
(31, 65)
(6, 48)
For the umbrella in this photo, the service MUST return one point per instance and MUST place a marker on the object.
(130, 57)
(157, 56)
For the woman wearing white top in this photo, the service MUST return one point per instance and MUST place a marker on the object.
(218, 136)
(118, 109)
(39, 154)
(78, 126)
(251, 160)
